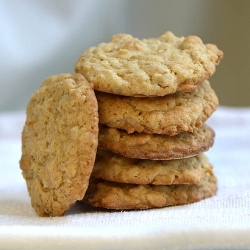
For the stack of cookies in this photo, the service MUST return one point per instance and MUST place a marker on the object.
(153, 99)
(127, 131)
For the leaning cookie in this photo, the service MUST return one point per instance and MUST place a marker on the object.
(117, 168)
(59, 142)
(149, 67)
(155, 146)
(169, 114)
(119, 196)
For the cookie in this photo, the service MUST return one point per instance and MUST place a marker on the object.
(149, 67)
(120, 196)
(155, 146)
(59, 143)
(117, 168)
(169, 114)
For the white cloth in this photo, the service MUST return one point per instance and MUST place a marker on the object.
(220, 222)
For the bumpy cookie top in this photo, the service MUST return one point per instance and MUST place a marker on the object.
(149, 67)
(59, 143)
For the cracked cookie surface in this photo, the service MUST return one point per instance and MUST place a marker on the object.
(117, 168)
(155, 146)
(169, 114)
(149, 67)
(119, 196)
(59, 143)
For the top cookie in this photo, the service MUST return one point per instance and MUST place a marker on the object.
(59, 143)
(149, 67)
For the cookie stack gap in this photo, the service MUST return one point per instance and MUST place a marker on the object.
(154, 99)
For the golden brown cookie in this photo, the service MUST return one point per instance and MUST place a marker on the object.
(122, 196)
(59, 142)
(149, 67)
(169, 114)
(155, 146)
(117, 168)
